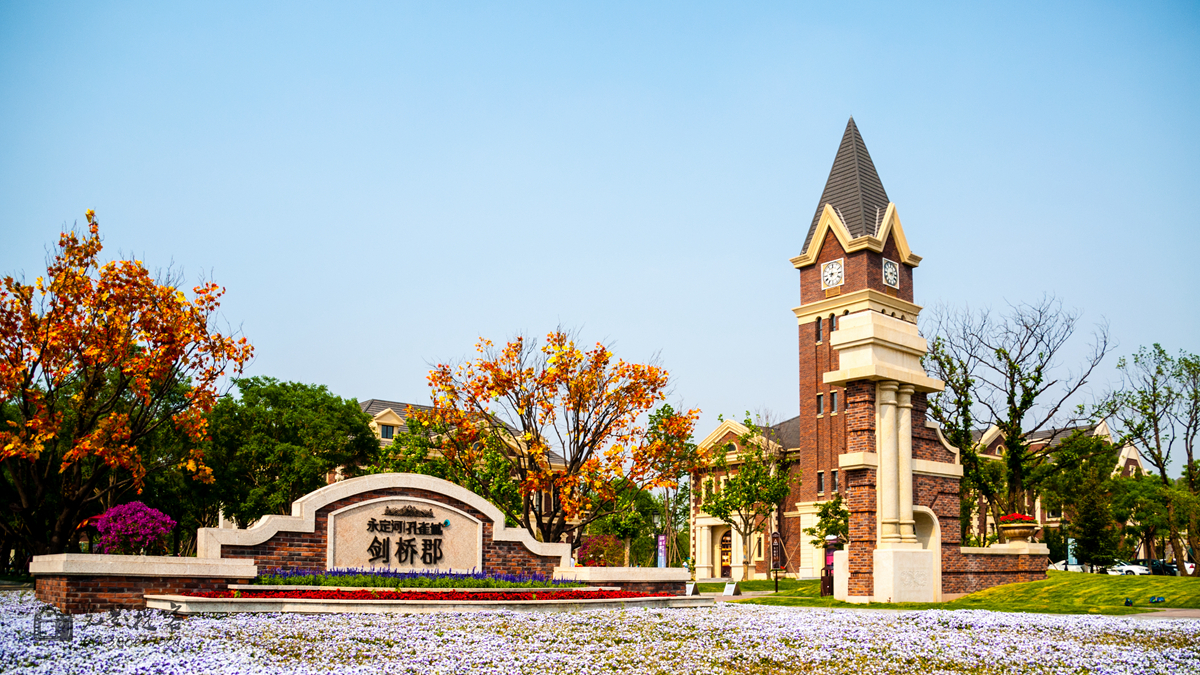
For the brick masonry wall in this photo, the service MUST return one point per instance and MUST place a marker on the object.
(83, 594)
(861, 502)
(860, 491)
(967, 573)
(308, 550)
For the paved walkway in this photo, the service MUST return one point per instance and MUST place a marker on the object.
(1167, 614)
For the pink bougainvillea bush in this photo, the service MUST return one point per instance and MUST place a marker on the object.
(603, 550)
(132, 528)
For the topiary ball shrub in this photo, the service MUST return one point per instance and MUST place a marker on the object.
(132, 529)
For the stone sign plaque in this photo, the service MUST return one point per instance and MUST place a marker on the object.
(405, 534)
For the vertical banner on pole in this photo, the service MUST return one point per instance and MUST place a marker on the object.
(662, 550)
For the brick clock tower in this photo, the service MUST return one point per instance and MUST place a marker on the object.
(862, 392)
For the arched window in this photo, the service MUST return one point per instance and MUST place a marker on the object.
(819, 337)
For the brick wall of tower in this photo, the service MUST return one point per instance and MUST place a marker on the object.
(860, 502)
(860, 491)
(822, 437)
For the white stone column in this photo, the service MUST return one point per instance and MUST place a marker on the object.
(908, 531)
(887, 481)
(704, 553)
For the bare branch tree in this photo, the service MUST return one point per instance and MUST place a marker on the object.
(1005, 369)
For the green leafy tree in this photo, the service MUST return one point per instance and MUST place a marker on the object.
(279, 441)
(631, 518)
(833, 519)
(1157, 408)
(1055, 541)
(755, 486)
(1094, 529)
(1139, 506)
(1080, 458)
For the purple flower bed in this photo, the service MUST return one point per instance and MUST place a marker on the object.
(725, 639)
(386, 578)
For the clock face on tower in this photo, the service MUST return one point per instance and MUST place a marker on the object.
(832, 274)
(891, 273)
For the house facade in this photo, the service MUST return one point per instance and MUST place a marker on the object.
(990, 444)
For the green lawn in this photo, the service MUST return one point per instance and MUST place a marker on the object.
(1061, 593)
(763, 585)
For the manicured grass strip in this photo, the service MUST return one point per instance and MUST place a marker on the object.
(760, 585)
(1061, 593)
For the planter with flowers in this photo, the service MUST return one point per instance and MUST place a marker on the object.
(1017, 527)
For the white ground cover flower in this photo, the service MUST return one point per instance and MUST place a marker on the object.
(723, 639)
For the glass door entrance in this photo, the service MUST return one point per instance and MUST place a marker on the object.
(726, 553)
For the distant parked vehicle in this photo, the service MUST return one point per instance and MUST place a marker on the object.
(1121, 567)
(1163, 567)
(1158, 567)
(1062, 566)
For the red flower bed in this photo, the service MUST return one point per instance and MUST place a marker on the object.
(388, 594)
(1016, 518)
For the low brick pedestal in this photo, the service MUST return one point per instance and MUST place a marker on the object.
(78, 583)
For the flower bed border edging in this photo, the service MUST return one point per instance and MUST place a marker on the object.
(184, 604)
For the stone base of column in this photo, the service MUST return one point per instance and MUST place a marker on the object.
(904, 575)
(841, 575)
(704, 572)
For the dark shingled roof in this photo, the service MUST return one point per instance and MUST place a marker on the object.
(374, 406)
(853, 189)
(787, 433)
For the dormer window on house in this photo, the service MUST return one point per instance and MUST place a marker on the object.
(386, 431)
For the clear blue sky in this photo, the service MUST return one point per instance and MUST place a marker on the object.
(379, 184)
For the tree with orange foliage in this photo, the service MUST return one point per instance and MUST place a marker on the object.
(565, 422)
(96, 361)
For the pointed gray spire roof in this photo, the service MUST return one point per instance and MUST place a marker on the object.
(853, 189)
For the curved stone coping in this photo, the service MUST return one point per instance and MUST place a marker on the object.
(209, 540)
(268, 587)
(185, 604)
(87, 564)
(1024, 548)
(611, 574)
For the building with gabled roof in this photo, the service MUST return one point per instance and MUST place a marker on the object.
(388, 417)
